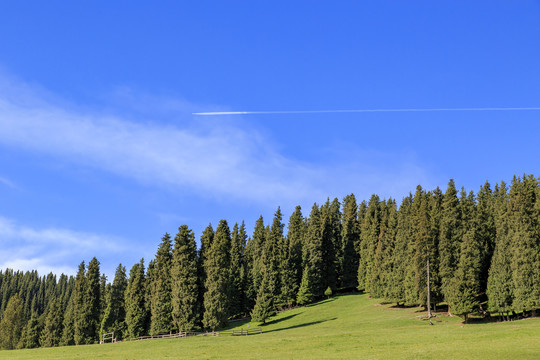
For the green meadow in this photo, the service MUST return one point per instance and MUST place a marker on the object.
(344, 327)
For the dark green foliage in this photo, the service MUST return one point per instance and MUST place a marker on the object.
(449, 239)
(271, 255)
(184, 280)
(160, 301)
(369, 236)
(92, 302)
(524, 235)
(30, 339)
(218, 282)
(135, 302)
(500, 286)
(291, 272)
(12, 323)
(350, 236)
(206, 241)
(305, 293)
(466, 283)
(114, 318)
(312, 285)
(383, 260)
(254, 254)
(79, 308)
(264, 305)
(400, 255)
(331, 242)
(51, 335)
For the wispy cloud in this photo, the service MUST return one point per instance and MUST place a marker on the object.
(50, 249)
(6, 182)
(222, 160)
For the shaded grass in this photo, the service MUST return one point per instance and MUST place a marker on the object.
(344, 327)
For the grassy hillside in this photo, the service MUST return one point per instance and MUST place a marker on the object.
(344, 327)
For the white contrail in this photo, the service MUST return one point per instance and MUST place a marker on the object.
(362, 111)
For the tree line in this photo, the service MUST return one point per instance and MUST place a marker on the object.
(483, 250)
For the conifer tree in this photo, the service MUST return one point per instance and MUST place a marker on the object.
(465, 285)
(206, 241)
(79, 308)
(383, 261)
(331, 242)
(238, 271)
(31, 333)
(523, 230)
(369, 235)
(312, 285)
(295, 237)
(449, 238)
(51, 334)
(500, 286)
(264, 305)
(256, 247)
(92, 303)
(184, 280)
(68, 324)
(270, 255)
(400, 255)
(114, 319)
(218, 284)
(161, 307)
(485, 231)
(350, 236)
(135, 301)
(12, 323)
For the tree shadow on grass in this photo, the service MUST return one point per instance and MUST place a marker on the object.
(276, 321)
(321, 302)
(299, 325)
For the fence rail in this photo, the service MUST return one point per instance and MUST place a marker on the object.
(234, 332)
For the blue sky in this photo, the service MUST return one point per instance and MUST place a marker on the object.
(100, 153)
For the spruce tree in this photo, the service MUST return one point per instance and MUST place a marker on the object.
(79, 308)
(271, 253)
(31, 333)
(218, 284)
(92, 303)
(295, 237)
(524, 230)
(114, 319)
(401, 251)
(207, 238)
(499, 285)
(331, 242)
(12, 323)
(350, 236)
(68, 328)
(449, 238)
(135, 301)
(466, 283)
(161, 307)
(51, 334)
(238, 271)
(369, 235)
(264, 305)
(184, 280)
(312, 285)
(256, 269)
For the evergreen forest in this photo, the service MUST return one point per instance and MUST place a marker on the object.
(483, 251)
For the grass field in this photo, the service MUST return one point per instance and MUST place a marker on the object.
(344, 327)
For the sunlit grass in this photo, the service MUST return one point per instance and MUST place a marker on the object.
(344, 327)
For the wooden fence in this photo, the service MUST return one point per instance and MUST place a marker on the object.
(234, 332)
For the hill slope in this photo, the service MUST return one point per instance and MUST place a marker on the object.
(344, 327)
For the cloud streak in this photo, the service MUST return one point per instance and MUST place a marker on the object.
(218, 161)
(50, 249)
(213, 113)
